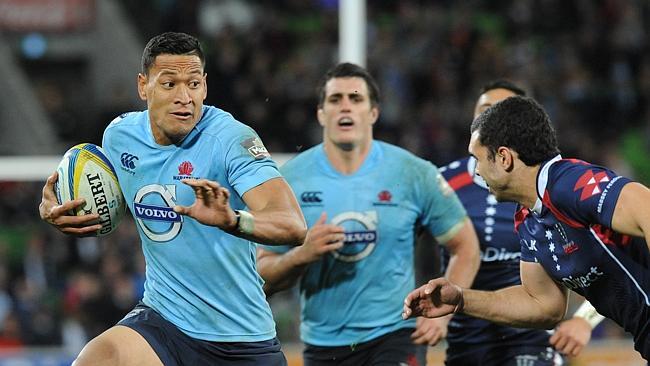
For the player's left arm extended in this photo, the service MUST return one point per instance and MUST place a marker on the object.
(464, 254)
(539, 302)
(275, 213)
(632, 211)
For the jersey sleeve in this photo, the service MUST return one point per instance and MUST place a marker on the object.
(279, 249)
(442, 210)
(248, 163)
(584, 194)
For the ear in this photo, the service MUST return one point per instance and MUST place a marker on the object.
(506, 158)
(205, 85)
(142, 83)
(320, 115)
(374, 113)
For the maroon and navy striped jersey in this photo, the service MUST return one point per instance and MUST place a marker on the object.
(569, 233)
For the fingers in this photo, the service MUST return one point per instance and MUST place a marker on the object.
(48, 188)
(566, 344)
(322, 218)
(182, 210)
(411, 298)
(208, 191)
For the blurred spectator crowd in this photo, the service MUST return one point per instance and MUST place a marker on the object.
(586, 61)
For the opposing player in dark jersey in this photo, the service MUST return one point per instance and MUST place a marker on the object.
(574, 222)
(480, 342)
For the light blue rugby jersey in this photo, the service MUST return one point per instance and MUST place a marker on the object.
(198, 277)
(356, 294)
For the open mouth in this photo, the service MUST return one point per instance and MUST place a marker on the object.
(182, 115)
(346, 122)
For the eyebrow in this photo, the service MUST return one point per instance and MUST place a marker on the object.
(169, 72)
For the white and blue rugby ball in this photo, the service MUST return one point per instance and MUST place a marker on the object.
(85, 171)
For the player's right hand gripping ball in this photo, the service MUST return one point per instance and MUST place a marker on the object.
(86, 172)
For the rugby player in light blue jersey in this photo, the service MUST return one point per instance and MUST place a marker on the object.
(575, 222)
(480, 342)
(363, 200)
(183, 167)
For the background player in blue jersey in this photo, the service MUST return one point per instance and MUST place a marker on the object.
(203, 301)
(480, 342)
(363, 200)
(573, 226)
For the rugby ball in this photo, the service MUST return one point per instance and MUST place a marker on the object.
(85, 172)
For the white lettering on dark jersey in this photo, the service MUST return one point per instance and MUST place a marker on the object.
(491, 254)
(604, 194)
(582, 281)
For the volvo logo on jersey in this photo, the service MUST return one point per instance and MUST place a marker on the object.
(360, 235)
(154, 214)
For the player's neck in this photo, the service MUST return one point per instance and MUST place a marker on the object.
(526, 185)
(347, 159)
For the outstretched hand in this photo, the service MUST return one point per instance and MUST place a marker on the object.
(437, 298)
(59, 215)
(430, 331)
(211, 206)
(321, 238)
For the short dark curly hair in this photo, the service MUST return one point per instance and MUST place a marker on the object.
(349, 70)
(521, 124)
(170, 43)
(502, 84)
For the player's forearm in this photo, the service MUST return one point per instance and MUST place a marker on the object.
(279, 271)
(462, 268)
(464, 256)
(512, 306)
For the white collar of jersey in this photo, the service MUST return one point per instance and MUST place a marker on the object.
(471, 169)
(542, 181)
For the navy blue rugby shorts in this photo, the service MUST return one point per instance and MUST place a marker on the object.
(392, 349)
(175, 348)
(503, 355)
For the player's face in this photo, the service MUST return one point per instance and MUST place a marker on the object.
(492, 172)
(174, 90)
(490, 98)
(347, 115)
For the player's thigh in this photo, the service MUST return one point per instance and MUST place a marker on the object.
(118, 346)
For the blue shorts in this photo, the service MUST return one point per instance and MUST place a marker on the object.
(174, 347)
(503, 355)
(395, 348)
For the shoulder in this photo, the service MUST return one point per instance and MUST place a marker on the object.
(400, 157)
(126, 124)
(228, 131)
(220, 123)
(305, 160)
(570, 175)
(128, 119)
